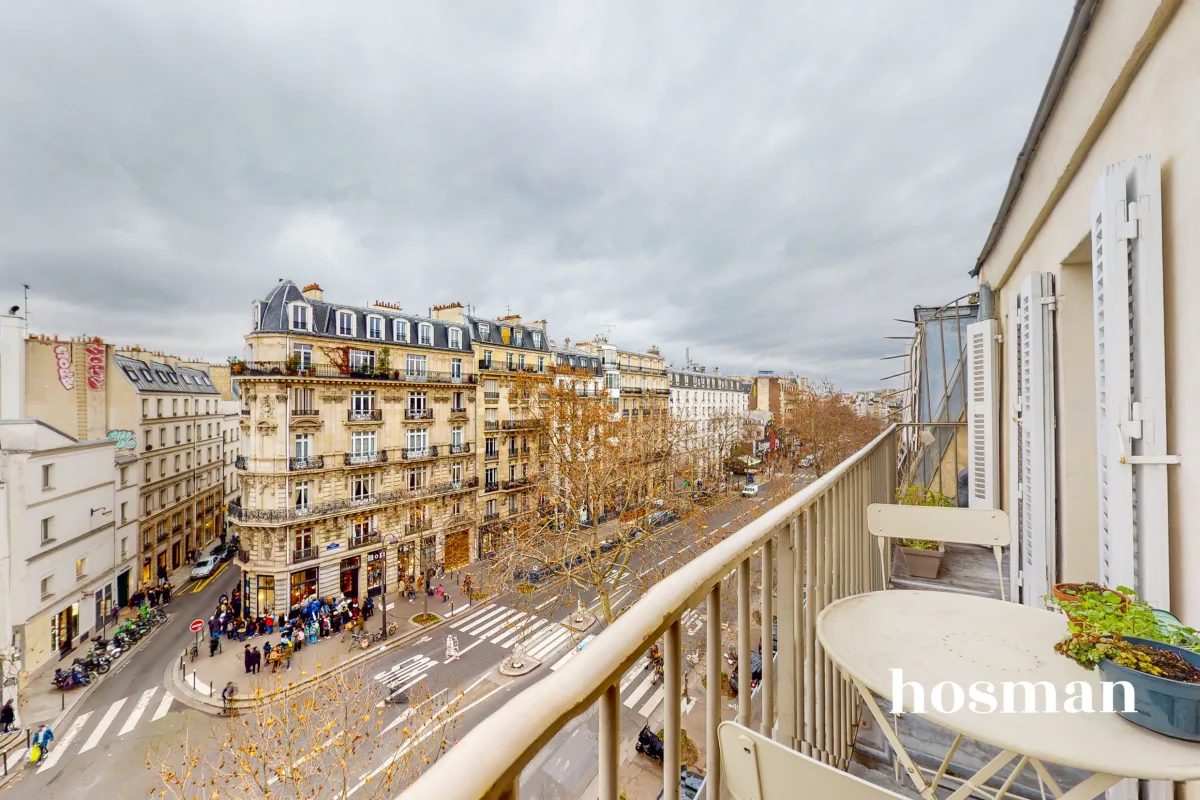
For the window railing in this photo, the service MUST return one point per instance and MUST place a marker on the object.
(414, 453)
(418, 413)
(491, 517)
(491, 397)
(486, 363)
(813, 545)
(491, 425)
(307, 462)
(364, 415)
(364, 539)
(304, 554)
(458, 409)
(459, 449)
(420, 525)
(274, 516)
(491, 487)
(239, 462)
(359, 459)
(163, 535)
(305, 412)
(491, 455)
(272, 369)
(517, 424)
(631, 390)
(516, 484)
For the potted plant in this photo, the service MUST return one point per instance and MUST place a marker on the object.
(922, 556)
(1069, 595)
(292, 364)
(237, 366)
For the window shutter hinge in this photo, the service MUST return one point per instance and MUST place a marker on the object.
(1000, 338)
(1129, 227)
(1020, 578)
(1052, 302)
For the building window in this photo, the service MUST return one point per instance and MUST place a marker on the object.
(266, 594)
(124, 513)
(541, 364)
(177, 463)
(537, 339)
(124, 476)
(512, 472)
(455, 338)
(345, 323)
(456, 435)
(518, 337)
(162, 436)
(362, 443)
(80, 568)
(417, 401)
(414, 366)
(401, 330)
(489, 475)
(459, 405)
(484, 331)
(47, 476)
(362, 487)
(374, 327)
(362, 401)
(303, 354)
(47, 529)
(303, 401)
(508, 361)
(456, 372)
(418, 441)
(490, 446)
(416, 479)
(362, 360)
(299, 318)
(425, 331)
(303, 445)
(124, 546)
(456, 473)
(301, 496)
(490, 507)
(48, 589)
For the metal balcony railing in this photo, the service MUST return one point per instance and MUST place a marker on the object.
(414, 453)
(491, 455)
(491, 425)
(491, 487)
(813, 545)
(239, 462)
(307, 462)
(517, 424)
(418, 413)
(491, 397)
(491, 517)
(459, 449)
(305, 412)
(275, 516)
(364, 540)
(306, 554)
(361, 459)
(420, 526)
(458, 409)
(515, 484)
(365, 415)
(163, 535)
(276, 369)
(486, 363)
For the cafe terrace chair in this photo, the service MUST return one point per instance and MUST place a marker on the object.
(757, 768)
(982, 526)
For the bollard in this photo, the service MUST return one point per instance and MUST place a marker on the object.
(452, 608)
(6, 763)
(210, 688)
(63, 697)
(181, 667)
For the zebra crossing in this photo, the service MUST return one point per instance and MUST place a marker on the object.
(106, 719)
(404, 675)
(642, 690)
(506, 626)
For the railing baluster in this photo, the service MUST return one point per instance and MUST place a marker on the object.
(743, 642)
(610, 730)
(712, 695)
(790, 681)
(768, 637)
(673, 666)
(805, 625)
(816, 602)
(836, 589)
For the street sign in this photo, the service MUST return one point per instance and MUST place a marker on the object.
(197, 626)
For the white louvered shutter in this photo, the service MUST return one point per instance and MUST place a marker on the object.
(982, 410)
(1035, 486)
(1013, 413)
(1127, 281)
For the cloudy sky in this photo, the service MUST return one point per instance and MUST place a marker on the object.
(765, 183)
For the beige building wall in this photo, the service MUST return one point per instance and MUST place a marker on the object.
(1131, 91)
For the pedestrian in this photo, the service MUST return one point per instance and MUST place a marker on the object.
(369, 608)
(440, 592)
(269, 621)
(116, 614)
(166, 592)
(7, 717)
(152, 596)
(42, 740)
(214, 643)
(256, 665)
(248, 658)
(286, 655)
(241, 630)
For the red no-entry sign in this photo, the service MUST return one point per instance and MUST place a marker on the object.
(197, 626)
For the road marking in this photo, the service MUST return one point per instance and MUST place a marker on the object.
(665, 560)
(163, 707)
(476, 620)
(642, 688)
(684, 550)
(542, 636)
(57, 751)
(408, 712)
(105, 721)
(476, 643)
(527, 629)
(394, 667)
(199, 685)
(727, 524)
(634, 673)
(392, 681)
(137, 712)
(548, 602)
(453, 613)
(484, 610)
(402, 689)
(571, 654)
(503, 625)
(206, 581)
(549, 645)
(653, 702)
(407, 667)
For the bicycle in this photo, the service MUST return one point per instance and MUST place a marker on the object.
(194, 651)
(362, 640)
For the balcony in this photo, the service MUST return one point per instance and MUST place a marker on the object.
(239, 462)
(306, 413)
(365, 415)
(660, 392)
(245, 412)
(491, 455)
(458, 409)
(491, 397)
(279, 516)
(419, 526)
(518, 424)
(364, 459)
(306, 554)
(631, 390)
(364, 540)
(418, 414)
(418, 453)
(163, 535)
(491, 517)
(486, 363)
(515, 484)
(491, 425)
(280, 369)
(491, 487)
(307, 462)
(459, 449)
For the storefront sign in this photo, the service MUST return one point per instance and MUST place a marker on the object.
(95, 366)
(66, 375)
(376, 556)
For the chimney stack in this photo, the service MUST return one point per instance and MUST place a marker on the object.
(313, 292)
(12, 366)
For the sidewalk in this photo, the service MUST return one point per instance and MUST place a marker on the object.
(203, 679)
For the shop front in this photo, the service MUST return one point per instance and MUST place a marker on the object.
(64, 627)
(376, 563)
(265, 594)
(303, 586)
(429, 559)
(406, 568)
(458, 549)
(161, 571)
(348, 581)
(123, 588)
(176, 555)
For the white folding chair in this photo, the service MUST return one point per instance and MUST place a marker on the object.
(983, 526)
(757, 768)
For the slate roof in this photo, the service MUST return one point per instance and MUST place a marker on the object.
(155, 377)
(273, 318)
(678, 378)
(591, 360)
(495, 337)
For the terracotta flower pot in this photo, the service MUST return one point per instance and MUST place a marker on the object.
(923, 563)
(1064, 597)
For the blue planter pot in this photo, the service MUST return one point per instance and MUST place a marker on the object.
(1164, 706)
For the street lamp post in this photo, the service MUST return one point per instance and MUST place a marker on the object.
(391, 542)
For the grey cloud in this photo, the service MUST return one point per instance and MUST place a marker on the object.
(765, 184)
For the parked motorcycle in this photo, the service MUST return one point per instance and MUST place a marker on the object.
(648, 744)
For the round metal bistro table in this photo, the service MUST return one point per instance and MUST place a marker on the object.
(936, 637)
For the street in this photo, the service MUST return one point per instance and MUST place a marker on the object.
(103, 743)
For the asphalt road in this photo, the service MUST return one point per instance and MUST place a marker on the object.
(101, 748)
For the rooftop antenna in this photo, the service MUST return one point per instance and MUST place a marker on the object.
(27, 308)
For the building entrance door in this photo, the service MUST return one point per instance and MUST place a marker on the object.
(123, 589)
(349, 577)
(458, 549)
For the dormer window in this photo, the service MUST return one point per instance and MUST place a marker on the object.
(455, 338)
(484, 331)
(401, 330)
(299, 317)
(257, 311)
(519, 337)
(537, 340)
(345, 323)
(425, 331)
(374, 327)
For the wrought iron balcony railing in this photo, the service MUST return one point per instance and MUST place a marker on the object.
(515, 484)
(418, 413)
(365, 415)
(273, 516)
(306, 554)
(491, 517)
(299, 464)
(281, 369)
(305, 412)
(491, 455)
(415, 453)
(458, 409)
(491, 397)
(459, 449)
(420, 526)
(491, 425)
(518, 424)
(362, 459)
(364, 540)
(491, 487)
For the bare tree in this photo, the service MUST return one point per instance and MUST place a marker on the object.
(828, 429)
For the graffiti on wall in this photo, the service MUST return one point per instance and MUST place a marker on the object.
(66, 375)
(125, 439)
(95, 366)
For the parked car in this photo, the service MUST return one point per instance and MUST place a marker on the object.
(661, 518)
(689, 784)
(755, 671)
(607, 545)
(220, 553)
(205, 567)
(750, 490)
(807, 462)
